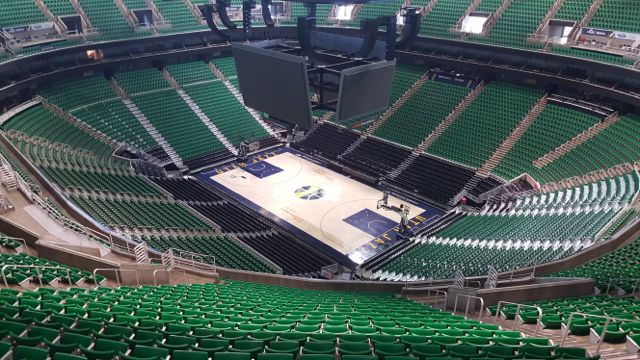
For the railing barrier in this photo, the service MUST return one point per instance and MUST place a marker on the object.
(117, 272)
(519, 307)
(37, 268)
(608, 320)
(155, 272)
(468, 297)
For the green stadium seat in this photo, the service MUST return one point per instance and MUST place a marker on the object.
(304, 356)
(385, 350)
(354, 348)
(65, 356)
(189, 355)
(275, 356)
(231, 356)
(287, 347)
(29, 353)
(104, 349)
(318, 347)
(424, 351)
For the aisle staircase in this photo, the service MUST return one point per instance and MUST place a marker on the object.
(513, 138)
(59, 24)
(7, 176)
(403, 165)
(575, 33)
(195, 11)
(485, 170)
(232, 89)
(141, 252)
(495, 17)
(146, 124)
(87, 28)
(352, 147)
(397, 105)
(444, 125)
(199, 113)
(91, 131)
(158, 18)
(538, 35)
(576, 141)
(427, 9)
(326, 117)
(457, 27)
(128, 16)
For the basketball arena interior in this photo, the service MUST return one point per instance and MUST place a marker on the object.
(319, 179)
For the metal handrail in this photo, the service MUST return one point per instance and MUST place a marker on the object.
(155, 280)
(604, 330)
(444, 297)
(117, 272)
(24, 243)
(635, 285)
(519, 307)
(194, 258)
(36, 267)
(469, 297)
(473, 282)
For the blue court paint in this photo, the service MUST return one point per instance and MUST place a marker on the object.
(390, 238)
(382, 240)
(370, 222)
(261, 169)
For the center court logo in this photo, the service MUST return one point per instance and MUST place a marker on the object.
(309, 192)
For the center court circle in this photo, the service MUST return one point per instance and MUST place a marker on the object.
(308, 192)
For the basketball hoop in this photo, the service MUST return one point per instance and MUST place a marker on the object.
(253, 146)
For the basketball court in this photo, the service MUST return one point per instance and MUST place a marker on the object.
(327, 206)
